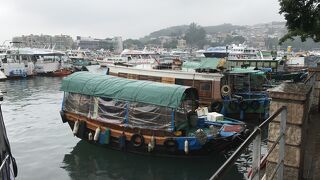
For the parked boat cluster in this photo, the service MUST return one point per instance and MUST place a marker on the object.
(161, 103)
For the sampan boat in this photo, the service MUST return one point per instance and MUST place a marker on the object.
(143, 116)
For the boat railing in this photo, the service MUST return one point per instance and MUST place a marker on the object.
(311, 78)
(4, 161)
(255, 138)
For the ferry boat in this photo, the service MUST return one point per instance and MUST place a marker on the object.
(144, 117)
(216, 52)
(242, 55)
(8, 165)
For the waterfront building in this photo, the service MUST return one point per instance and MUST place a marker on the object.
(59, 42)
(182, 44)
(95, 43)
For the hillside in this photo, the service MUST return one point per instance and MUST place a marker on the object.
(179, 30)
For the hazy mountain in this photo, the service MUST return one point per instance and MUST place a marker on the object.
(179, 30)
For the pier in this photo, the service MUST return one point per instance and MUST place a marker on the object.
(293, 134)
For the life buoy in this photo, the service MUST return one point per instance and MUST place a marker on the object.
(216, 106)
(255, 104)
(243, 105)
(233, 105)
(238, 56)
(137, 140)
(225, 90)
(171, 145)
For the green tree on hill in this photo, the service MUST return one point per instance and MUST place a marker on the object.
(132, 43)
(303, 19)
(195, 36)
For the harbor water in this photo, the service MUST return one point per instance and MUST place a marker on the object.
(45, 148)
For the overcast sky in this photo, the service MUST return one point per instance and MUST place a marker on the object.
(126, 18)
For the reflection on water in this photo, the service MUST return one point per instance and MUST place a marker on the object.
(45, 148)
(92, 162)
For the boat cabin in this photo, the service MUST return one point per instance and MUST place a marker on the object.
(207, 84)
(244, 96)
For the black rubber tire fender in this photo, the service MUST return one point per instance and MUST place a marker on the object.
(137, 140)
(255, 104)
(243, 105)
(171, 145)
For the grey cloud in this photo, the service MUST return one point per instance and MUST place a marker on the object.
(128, 18)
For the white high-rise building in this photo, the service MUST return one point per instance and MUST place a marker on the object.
(118, 45)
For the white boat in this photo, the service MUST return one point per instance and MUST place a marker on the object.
(242, 51)
(15, 65)
(2, 76)
(298, 60)
(81, 57)
(25, 62)
(113, 69)
(131, 58)
(45, 60)
(110, 60)
(238, 52)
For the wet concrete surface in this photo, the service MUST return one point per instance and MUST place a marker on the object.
(290, 87)
(312, 151)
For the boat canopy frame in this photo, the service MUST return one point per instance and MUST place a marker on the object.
(99, 85)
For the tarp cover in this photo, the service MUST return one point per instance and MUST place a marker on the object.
(202, 63)
(99, 85)
(120, 112)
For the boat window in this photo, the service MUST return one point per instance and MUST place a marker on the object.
(205, 89)
(24, 58)
(180, 81)
(149, 116)
(111, 111)
(181, 119)
(205, 86)
(77, 103)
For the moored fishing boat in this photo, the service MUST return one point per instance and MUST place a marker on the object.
(207, 84)
(143, 116)
(62, 72)
(244, 95)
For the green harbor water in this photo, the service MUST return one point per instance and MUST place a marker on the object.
(45, 148)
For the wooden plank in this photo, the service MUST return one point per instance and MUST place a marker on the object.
(93, 125)
(124, 75)
(132, 76)
(168, 80)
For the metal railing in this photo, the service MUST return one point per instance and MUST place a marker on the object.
(4, 162)
(255, 137)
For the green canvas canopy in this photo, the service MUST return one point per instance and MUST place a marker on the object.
(99, 85)
(202, 63)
